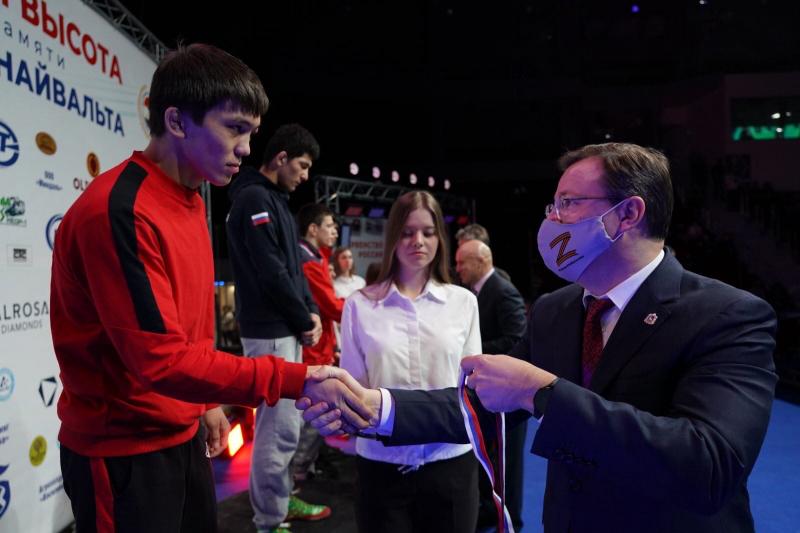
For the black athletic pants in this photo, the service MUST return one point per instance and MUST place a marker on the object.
(166, 491)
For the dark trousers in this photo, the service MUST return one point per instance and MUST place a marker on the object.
(439, 497)
(515, 465)
(166, 491)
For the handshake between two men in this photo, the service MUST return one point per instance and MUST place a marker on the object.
(335, 403)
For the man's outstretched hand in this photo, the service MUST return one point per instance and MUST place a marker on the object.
(334, 402)
(504, 383)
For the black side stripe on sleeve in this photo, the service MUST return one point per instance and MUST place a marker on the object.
(120, 213)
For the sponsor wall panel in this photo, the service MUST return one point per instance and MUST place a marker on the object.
(72, 104)
(366, 242)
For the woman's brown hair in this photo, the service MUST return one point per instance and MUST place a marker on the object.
(439, 268)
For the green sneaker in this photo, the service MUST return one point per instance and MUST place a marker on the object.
(300, 510)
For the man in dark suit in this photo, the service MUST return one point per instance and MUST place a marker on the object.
(502, 311)
(476, 232)
(662, 432)
(502, 320)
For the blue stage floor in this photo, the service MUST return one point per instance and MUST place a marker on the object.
(774, 483)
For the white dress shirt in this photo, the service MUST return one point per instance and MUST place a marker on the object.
(403, 343)
(621, 295)
(345, 286)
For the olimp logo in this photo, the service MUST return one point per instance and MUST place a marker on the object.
(9, 147)
(23, 316)
(11, 210)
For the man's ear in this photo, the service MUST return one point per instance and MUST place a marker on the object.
(281, 158)
(631, 213)
(174, 122)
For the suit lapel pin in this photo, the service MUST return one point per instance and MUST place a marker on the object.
(650, 319)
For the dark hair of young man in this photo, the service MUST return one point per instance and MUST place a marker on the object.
(198, 77)
(312, 214)
(632, 170)
(293, 139)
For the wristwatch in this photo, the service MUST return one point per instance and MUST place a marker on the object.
(541, 398)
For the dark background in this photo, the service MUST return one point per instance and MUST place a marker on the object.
(488, 95)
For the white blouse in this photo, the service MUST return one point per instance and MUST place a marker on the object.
(397, 342)
(345, 286)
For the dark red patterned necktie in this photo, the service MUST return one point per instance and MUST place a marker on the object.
(593, 337)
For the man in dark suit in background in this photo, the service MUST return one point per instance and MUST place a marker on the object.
(654, 405)
(476, 232)
(502, 319)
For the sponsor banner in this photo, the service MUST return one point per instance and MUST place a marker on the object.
(74, 103)
(366, 242)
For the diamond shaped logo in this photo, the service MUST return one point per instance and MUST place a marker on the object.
(47, 390)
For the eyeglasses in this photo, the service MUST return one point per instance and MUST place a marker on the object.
(564, 204)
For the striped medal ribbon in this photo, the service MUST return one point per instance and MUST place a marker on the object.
(486, 432)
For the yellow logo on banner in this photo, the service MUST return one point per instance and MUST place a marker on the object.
(93, 164)
(46, 143)
(38, 450)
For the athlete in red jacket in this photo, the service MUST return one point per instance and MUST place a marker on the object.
(132, 312)
(319, 230)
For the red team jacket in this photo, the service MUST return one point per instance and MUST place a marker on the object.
(315, 267)
(132, 319)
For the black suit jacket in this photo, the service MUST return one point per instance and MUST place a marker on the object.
(668, 431)
(502, 315)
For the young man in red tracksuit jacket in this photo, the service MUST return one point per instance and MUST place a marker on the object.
(316, 224)
(132, 312)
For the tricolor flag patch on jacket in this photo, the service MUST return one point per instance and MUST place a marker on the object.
(260, 218)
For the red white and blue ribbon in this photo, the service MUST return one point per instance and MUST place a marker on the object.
(486, 432)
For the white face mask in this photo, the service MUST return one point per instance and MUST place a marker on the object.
(568, 249)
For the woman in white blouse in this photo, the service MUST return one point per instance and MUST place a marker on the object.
(346, 281)
(410, 330)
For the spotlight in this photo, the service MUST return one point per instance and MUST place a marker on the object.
(447, 185)
(635, 8)
(376, 172)
(395, 176)
(353, 169)
(776, 115)
(431, 181)
(412, 179)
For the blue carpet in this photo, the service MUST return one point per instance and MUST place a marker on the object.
(774, 484)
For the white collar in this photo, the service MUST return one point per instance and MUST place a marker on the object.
(623, 292)
(432, 290)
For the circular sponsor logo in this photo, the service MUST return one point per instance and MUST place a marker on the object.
(93, 164)
(9, 147)
(6, 383)
(143, 108)
(46, 143)
(50, 230)
(38, 450)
